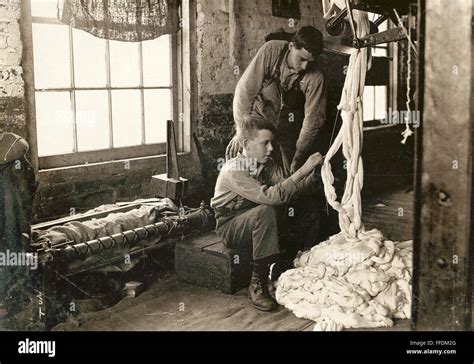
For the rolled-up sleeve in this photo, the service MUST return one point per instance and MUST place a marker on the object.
(315, 113)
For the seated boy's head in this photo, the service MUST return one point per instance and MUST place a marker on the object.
(257, 135)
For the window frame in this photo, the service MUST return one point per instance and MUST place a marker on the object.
(391, 89)
(80, 158)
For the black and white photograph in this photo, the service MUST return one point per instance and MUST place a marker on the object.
(234, 167)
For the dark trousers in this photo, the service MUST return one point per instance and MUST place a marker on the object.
(264, 231)
(300, 225)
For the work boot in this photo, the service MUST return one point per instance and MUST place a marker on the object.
(258, 289)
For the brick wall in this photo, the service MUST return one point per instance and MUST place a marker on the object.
(73, 190)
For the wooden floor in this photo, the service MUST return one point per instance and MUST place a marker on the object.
(391, 213)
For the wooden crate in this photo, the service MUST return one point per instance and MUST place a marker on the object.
(206, 261)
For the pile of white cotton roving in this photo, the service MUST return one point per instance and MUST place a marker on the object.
(350, 283)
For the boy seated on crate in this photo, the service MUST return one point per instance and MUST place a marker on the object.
(248, 191)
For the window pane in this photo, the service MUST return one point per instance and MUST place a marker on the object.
(368, 103)
(89, 60)
(54, 123)
(379, 52)
(157, 61)
(51, 55)
(124, 64)
(45, 8)
(380, 102)
(157, 110)
(92, 120)
(126, 117)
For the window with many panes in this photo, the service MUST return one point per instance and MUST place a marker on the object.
(98, 99)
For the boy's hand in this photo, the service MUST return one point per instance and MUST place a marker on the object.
(311, 163)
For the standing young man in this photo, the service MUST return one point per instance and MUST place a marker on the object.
(284, 84)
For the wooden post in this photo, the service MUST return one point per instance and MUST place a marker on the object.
(170, 184)
(28, 76)
(441, 282)
(172, 168)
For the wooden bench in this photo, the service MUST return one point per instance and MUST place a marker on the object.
(205, 260)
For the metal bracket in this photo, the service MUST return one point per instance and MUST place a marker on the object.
(390, 35)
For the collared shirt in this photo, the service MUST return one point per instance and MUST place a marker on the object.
(254, 94)
(242, 183)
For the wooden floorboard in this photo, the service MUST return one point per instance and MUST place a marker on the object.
(382, 213)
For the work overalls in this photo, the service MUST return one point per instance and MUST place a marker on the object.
(285, 109)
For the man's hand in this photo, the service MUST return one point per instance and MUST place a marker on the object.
(233, 148)
(311, 163)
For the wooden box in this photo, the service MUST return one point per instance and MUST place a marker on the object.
(206, 261)
(163, 186)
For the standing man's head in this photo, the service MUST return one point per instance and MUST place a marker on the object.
(256, 135)
(305, 47)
